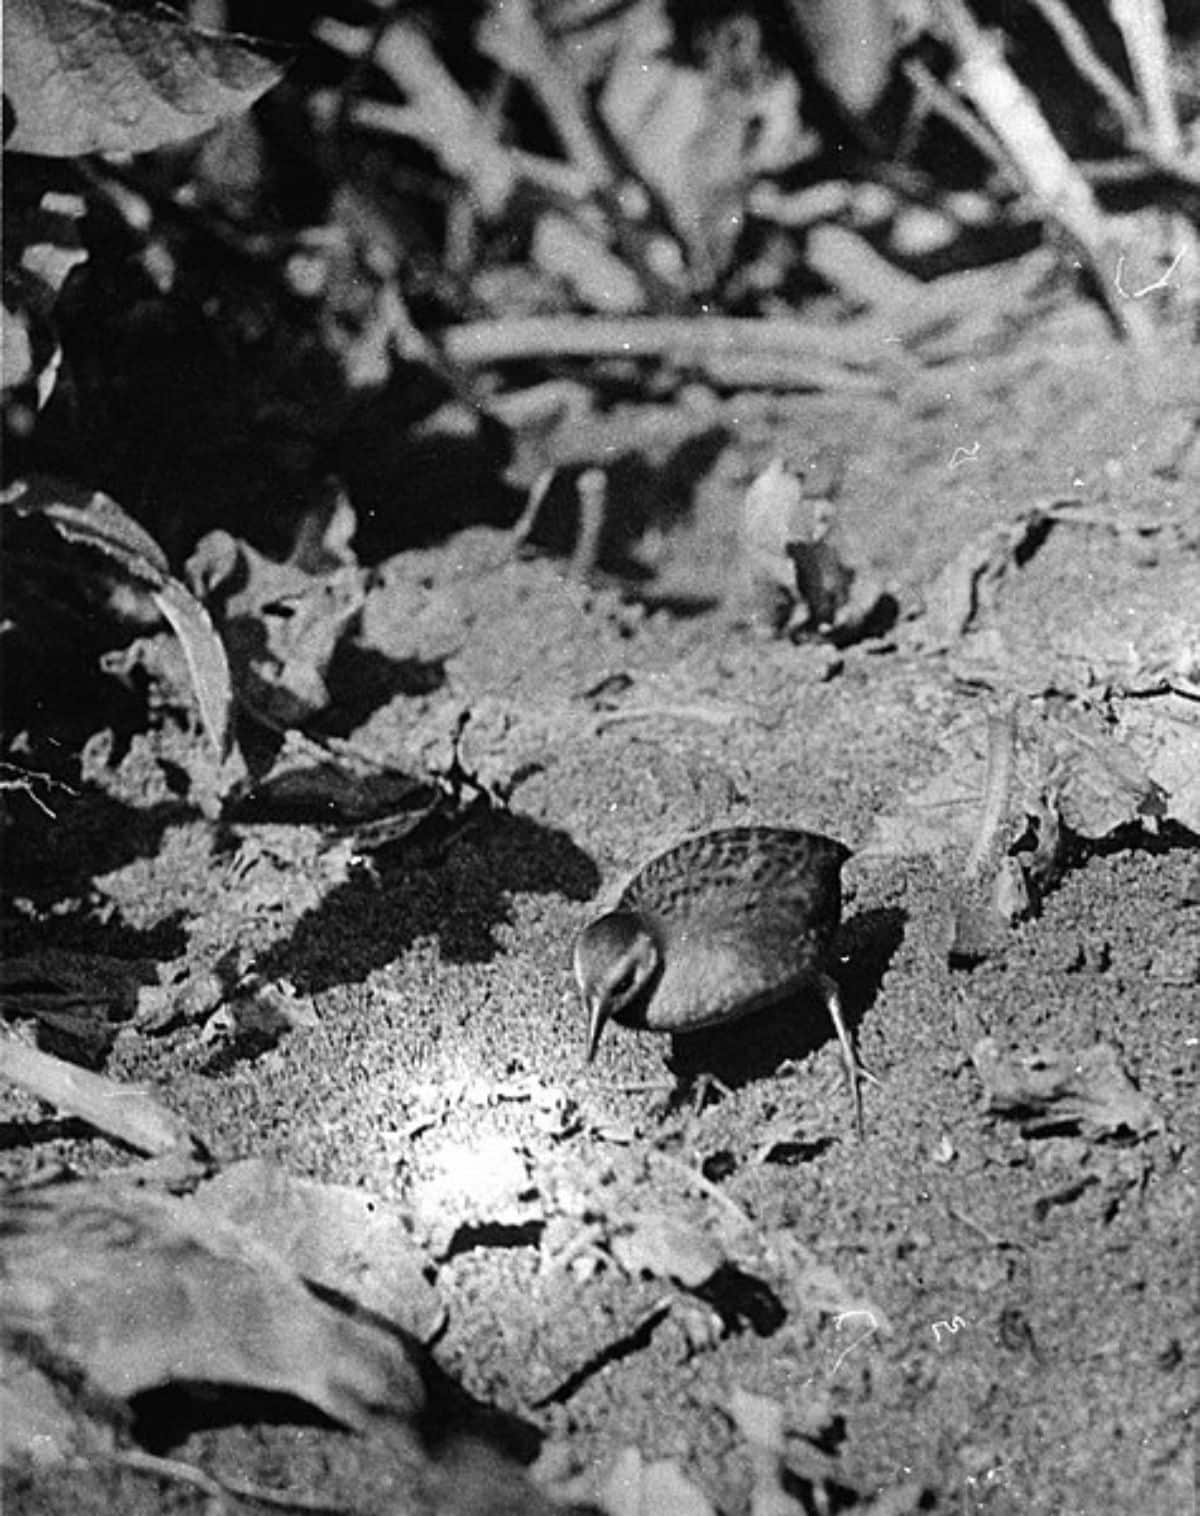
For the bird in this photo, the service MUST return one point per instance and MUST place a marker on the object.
(717, 927)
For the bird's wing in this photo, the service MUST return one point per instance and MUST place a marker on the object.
(725, 876)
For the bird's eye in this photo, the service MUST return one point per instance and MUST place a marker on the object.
(625, 980)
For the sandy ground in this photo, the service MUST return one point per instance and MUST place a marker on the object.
(988, 1318)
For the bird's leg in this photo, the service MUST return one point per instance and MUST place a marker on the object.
(705, 1087)
(854, 1069)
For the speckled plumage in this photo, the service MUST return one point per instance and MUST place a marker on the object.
(715, 928)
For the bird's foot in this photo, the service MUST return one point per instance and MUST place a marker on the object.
(704, 1088)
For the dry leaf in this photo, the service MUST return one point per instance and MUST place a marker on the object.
(1163, 732)
(1097, 781)
(82, 77)
(760, 1420)
(205, 655)
(264, 1012)
(36, 1424)
(668, 1248)
(774, 515)
(794, 571)
(1068, 766)
(635, 1487)
(343, 1238)
(1049, 1089)
(963, 590)
(79, 998)
(282, 626)
(93, 521)
(124, 1292)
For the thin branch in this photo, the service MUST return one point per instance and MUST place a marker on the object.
(592, 490)
(1160, 143)
(521, 338)
(561, 180)
(1089, 65)
(441, 114)
(733, 352)
(1144, 30)
(1002, 740)
(513, 38)
(125, 1112)
(218, 1487)
(945, 103)
(1014, 115)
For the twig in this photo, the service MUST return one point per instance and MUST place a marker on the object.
(14, 777)
(636, 1086)
(975, 1226)
(525, 523)
(512, 37)
(706, 711)
(217, 1488)
(1077, 45)
(515, 339)
(943, 102)
(1144, 31)
(1014, 115)
(343, 752)
(592, 489)
(1142, 166)
(443, 117)
(122, 1111)
(1151, 127)
(705, 1185)
(351, 86)
(172, 1469)
(440, 114)
(1002, 732)
(562, 181)
(1143, 28)
(1150, 160)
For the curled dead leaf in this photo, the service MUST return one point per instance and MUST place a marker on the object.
(1052, 1088)
(82, 77)
(129, 1292)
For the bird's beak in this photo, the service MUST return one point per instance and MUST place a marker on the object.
(597, 1009)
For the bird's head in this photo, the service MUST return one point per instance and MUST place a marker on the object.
(615, 959)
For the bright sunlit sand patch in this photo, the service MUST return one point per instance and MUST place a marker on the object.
(482, 1178)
